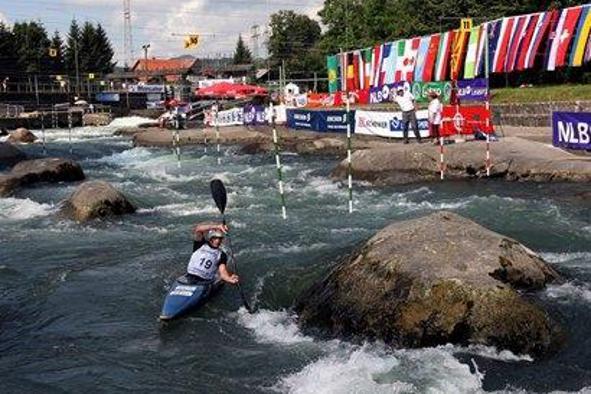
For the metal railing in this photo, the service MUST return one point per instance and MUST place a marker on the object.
(10, 111)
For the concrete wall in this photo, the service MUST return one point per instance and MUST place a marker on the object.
(534, 114)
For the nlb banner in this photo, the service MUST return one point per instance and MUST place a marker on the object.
(385, 93)
(472, 90)
(323, 121)
(571, 130)
(388, 124)
(465, 120)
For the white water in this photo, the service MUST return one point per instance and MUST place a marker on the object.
(13, 209)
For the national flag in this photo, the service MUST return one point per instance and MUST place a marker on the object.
(367, 55)
(494, 32)
(472, 53)
(587, 52)
(343, 63)
(332, 66)
(553, 25)
(525, 43)
(422, 58)
(350, 71)
(582, 37)
(458, 51)
(563, 36)
(376, 61)
(540, 32)
(431, 57)
(518, 36)
(388, 64)
(405, 68)
(481, 50)
(443, 55)
(507, 28)
(355, 56)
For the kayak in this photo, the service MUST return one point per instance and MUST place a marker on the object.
(187, 294)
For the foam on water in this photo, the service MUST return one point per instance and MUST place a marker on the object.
(567, 257)
(179, 209)
(569, 292)
(488, 352)
(129, 121)
(12, 209)
(272, 326)
(133, 156)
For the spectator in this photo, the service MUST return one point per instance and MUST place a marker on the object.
(435, 111)
(407, 104)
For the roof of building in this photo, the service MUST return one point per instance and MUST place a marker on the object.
(163, 64)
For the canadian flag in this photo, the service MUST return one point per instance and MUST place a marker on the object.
(407, 59)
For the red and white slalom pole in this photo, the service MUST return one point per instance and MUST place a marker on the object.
(441, 159)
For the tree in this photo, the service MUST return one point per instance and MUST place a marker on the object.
(31, 47)
(72, 47)
(87, 54)
(242, 54)
(8, 59)
(56, 63)
(104, 51)
(293, 40)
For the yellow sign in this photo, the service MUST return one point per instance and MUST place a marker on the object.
(52, 52)
(91, 76)
(191, 41)
(465, 24)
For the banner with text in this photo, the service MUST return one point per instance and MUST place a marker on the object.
(254, 115)
(472, 90)
(230, 117)
(421, 91)
(571, 130)
(388, 124)
(465, 120)
(323, 121)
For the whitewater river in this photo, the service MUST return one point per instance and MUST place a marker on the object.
(79, 302)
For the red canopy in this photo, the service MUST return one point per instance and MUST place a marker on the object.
(226, 89)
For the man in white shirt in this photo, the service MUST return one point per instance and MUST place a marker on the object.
(406, 102)
(435, 113)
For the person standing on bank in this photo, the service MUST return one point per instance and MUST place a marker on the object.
(435, 111)
(407, 104)
(208, 260)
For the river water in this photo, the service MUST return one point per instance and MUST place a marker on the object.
(79, 302)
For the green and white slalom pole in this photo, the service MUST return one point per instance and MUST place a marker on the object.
(349, 169)
(177, 146)
(43, 133)
(278, 162)
(217, 132)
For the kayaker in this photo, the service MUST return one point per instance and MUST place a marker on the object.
(208, 260)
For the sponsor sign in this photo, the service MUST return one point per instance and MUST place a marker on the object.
(145, 88)
(388, 124)
(254, 115)
(230, 117)
(107, 97)
(465, 120)
(421, 91)
(472, 90)
(323, 121)
(386, 92)
(301, 119)
(571, 130)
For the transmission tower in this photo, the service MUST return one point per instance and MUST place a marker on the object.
(127, 39)
(254, 35)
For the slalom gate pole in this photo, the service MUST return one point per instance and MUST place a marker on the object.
(349, 166)
(217, 133)
(177, 146)
(278, 162)
(53, 118)
(43, 133)
(487, 103)
(70, 131)
(441, 160)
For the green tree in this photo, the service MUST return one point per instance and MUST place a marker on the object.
(104, 51)
(8, 58)
(72, 47)
(31, 47)
(56, 63)
(87, 50)
(242, 54)
(294, 38)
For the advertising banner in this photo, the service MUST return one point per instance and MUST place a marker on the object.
(472, 90)
(385, 93)
(230, 117)
(388, 124)
(107, 97)
(323, 121)
(571, 130)
(465, 120)
(254, 115)
(145, 88)
(421, 91)
(301, 119)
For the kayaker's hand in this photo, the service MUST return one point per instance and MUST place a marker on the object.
(234, 279)
(224, 228)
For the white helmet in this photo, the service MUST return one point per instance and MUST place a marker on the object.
(214, 234)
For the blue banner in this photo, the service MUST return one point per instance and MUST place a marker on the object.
(254, 115)
(323, 121)
(107, 97)
(571, 130)
(472, 89)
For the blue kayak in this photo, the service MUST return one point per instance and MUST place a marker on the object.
(187, 294)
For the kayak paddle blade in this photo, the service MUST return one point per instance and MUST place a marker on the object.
(218, 192)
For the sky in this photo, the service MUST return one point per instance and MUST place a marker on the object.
(162, 23)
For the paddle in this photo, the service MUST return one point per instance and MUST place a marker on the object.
(218, 192)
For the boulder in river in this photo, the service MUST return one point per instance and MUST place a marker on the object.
(40, 170)
(96, 119)
(436, 280)
(22, 135)
(97, 199)
(10, 154)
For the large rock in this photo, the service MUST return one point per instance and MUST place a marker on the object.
(512, 159)
(22, 135)
(435, 280)
(96, 119)
(40, 170)
(10, 154)
(97, 199)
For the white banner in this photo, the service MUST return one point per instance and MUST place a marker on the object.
(230, 117)
(388, 124)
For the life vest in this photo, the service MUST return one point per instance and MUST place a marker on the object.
(204, 262)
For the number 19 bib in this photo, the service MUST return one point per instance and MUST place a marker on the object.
(204, 262)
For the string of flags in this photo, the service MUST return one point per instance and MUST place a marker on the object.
(546, 40)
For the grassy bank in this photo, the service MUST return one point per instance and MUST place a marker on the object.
(541, 94)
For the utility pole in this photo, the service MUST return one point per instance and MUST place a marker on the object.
(145, 48)
(77, 68)
(255, 34)
(127, 38)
